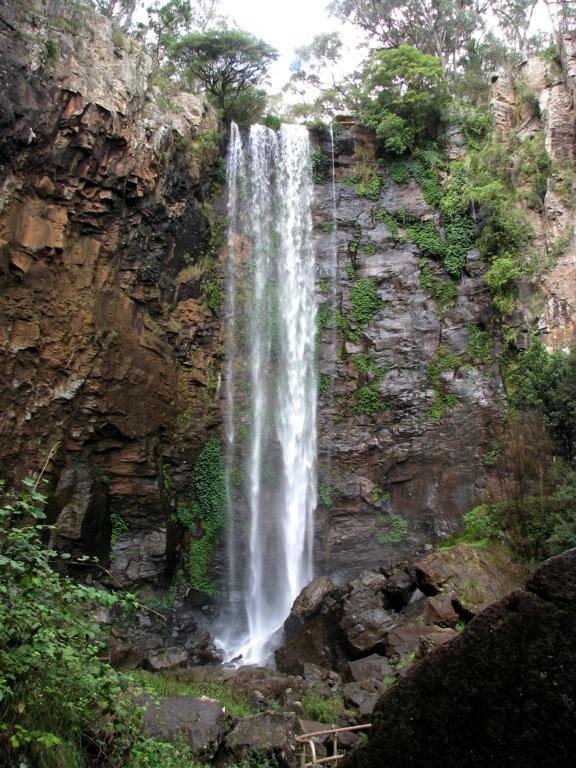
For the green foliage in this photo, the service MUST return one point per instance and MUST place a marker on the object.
(325, 495)
(444, 292)
(344, 327)
(403, 94)
(395, 530)
(501, 278)
(119, 526)
(204, 516)
(213, 294)
(272, 121)
(367, 400)
(161, 754)
(533, 167)
(230, 64)
(390, 222)
(545, 382)
(551, 54)
(231, 698)
(51, 48)
(324, 383)
(365, 301)
(323, 710)
(320, 165)
(479, 345)
(441, 363)
(457, 223)
(56, 694)
(370, 189)
(367, 366)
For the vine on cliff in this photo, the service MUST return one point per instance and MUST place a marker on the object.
(205, 514)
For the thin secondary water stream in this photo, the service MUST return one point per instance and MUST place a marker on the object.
(270, 383)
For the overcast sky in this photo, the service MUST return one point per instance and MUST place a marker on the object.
(285, 25)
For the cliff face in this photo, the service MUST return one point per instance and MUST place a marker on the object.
(539, 99)
(108, 351)
(401, 461)
(110, 354)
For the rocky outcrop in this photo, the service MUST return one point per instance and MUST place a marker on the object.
(358, 627)
(538, 99)
(504, 687)
(107, 349)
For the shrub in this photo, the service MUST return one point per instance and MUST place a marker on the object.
(57, 696)
(365, 301)
(323, 710)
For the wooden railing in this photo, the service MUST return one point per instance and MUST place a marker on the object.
(307, 742)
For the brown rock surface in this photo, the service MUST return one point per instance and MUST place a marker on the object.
(473, 577)
(105, 344)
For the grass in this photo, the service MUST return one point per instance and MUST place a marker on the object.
(234, 702)
(323, 710)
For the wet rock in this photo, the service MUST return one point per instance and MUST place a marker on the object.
(271, 733)
(308, 603)
(365, 623)
(318, 642)
(432, 640)
(197, 722)
(139, 555)
(167, 658)
(439, 610)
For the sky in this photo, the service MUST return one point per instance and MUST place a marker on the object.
(284, 25)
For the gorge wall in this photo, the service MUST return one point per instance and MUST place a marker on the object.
(110, 329)
(109, 352)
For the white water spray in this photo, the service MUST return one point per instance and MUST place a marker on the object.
(270, 383)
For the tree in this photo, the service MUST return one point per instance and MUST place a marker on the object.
(436, 27)
(229, 63)
(168, 22)
(121, 10)
(404, 93)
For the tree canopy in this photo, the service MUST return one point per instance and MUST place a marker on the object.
(230, 64)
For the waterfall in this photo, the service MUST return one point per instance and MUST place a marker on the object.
(270, 382)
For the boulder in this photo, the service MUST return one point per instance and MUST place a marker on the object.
(271, 734)
(405, 638)
(501, 693)
(473, 577)
(308, 603)
(440, 610)
(198, 722)
(365, 622)
(167, 658)
(373, 666)
(318, 642)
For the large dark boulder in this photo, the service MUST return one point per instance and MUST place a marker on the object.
(503, 693)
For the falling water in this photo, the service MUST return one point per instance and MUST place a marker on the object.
(270, 382)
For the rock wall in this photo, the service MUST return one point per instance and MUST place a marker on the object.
(108, 352)
(400, 478)
(539, 97)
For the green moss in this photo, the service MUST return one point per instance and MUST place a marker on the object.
(395, 530)
(213, 294)
(367, 365)
(367, 400)
(479, 345)
(365, 301)
(444, 292)
(119, 526)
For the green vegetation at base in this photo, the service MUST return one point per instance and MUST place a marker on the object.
(60, 701)
(233, 700)
(321, 709)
